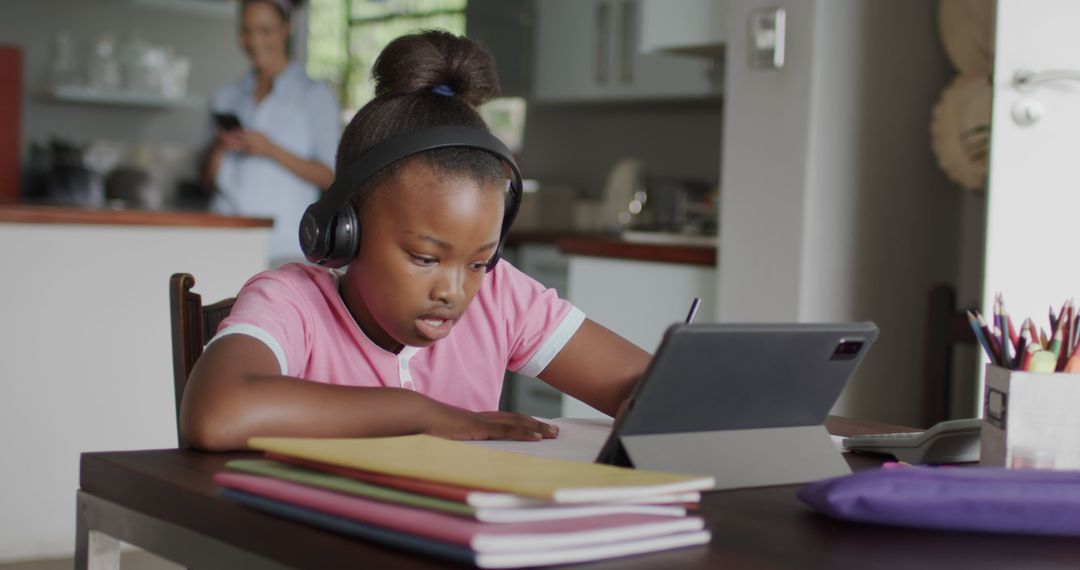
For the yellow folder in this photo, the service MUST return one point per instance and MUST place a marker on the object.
(436, 459)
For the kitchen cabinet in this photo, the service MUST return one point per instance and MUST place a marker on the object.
(588, 50)
(691, 27)
(504, 27)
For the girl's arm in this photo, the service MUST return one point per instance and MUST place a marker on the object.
(597, 367)
(236, 391)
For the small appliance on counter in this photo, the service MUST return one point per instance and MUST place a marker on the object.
(57, 174)
(547, 206)
(680, 205)
(636, 201)
(108, 174)
(624, 194)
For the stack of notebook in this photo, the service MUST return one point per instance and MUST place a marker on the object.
(490, 508)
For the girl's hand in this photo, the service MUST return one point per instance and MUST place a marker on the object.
(454, 423)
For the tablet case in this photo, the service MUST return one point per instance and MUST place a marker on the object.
(744, 403)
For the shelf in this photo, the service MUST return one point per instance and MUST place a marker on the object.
(122, 98)
(215, 8)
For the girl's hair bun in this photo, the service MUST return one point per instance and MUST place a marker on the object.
(434, 58)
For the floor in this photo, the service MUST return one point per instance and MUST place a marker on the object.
(135, 560)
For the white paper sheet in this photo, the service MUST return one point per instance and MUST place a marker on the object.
(580, 439)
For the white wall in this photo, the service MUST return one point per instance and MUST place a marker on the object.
(832, 207)
(86, 356)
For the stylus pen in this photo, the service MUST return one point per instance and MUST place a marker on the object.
(693, 310)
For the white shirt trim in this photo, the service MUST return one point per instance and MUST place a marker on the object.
(258, 333)
(404, 374)
(554, 343)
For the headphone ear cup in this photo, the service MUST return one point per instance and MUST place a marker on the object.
(513, 204)
(345, 237)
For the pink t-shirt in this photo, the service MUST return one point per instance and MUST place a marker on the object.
(513, 323)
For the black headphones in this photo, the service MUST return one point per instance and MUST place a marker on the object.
(330, 230)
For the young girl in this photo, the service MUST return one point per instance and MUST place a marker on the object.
(416, 335)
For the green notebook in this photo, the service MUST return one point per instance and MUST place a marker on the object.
(340, 484)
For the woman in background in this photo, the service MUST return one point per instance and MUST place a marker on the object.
(279, 158)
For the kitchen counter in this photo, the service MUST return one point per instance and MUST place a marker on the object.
(619, 248)
(20, 214)
(534, 236)
(86, 333)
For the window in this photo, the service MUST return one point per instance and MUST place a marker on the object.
(345, 37)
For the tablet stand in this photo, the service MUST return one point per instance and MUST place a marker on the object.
(741, 458)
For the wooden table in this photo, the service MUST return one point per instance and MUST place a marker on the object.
(165, 502)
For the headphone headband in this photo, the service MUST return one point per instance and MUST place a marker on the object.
(317, 228)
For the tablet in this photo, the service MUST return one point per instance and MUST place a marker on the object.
(724, 377)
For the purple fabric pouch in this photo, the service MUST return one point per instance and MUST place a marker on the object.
(984, 499)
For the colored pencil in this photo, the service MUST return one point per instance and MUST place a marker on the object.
(1067, 331)
(1034, 333)
(1021, 346)
(1065, 325)
(1073, 364)
(1061, 314)
(980, 336)
(1025, 363)
(1006, 346)
(1013, 336)
(989, 335)
(1055, 343)
(1076, 333)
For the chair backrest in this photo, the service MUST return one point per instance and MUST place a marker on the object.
(946, 327)
(193, 324)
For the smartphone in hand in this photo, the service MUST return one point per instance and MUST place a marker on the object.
(227, 121)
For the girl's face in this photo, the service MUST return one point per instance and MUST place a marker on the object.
(264, 35)
(426, 241)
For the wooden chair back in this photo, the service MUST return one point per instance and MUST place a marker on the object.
(946, 327)
(193, 324)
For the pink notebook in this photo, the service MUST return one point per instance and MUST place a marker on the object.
(480, 537)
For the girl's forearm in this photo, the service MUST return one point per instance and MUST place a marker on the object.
(284, 406)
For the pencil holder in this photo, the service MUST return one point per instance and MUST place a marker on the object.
(1030, 419)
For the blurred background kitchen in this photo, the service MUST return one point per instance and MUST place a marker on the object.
(115, 107)
(800, 160)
